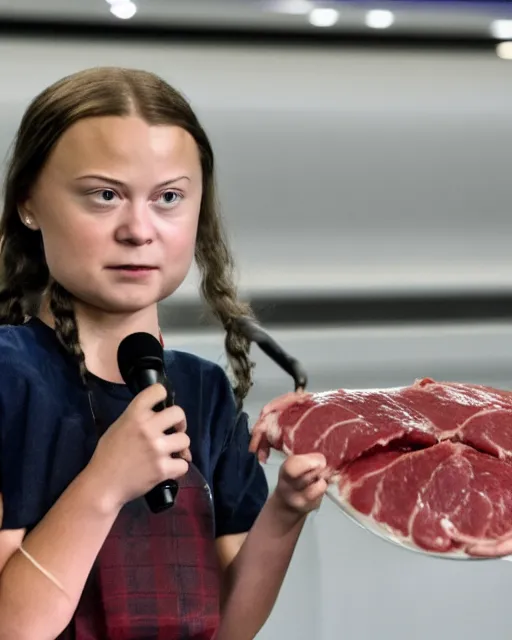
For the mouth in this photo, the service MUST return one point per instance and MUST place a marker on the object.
(132, 267)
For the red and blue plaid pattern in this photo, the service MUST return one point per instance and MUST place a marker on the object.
(157, 576)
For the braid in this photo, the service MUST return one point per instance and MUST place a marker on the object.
(66, 328)
(23, 273)
(219, 291)
(11, 305)
(24, 276)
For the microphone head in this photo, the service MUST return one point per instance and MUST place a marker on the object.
(139, 350)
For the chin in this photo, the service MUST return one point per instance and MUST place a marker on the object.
(130, 306)
(122, 304)
(124, 300)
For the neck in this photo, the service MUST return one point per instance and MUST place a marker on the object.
(101, 334)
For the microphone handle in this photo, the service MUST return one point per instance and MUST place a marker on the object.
(163, 496)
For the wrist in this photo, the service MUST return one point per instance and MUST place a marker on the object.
(287, 516)
(95, 493)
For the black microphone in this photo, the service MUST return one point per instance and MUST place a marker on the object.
(140, 358)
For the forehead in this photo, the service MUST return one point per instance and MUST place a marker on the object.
(118, 143)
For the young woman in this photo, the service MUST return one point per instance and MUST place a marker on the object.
(109, 197)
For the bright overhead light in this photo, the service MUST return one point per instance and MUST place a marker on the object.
(379, 19)
(123, 9)
(293, 7)
(504, 50)
(501, 29)
(324, 17)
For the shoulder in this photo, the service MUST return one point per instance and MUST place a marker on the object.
(28, 362)
(203, 379)
(21, 348)
(34, 376)
(14, 341)
(19, 356)
(44, 423)
(37, 385)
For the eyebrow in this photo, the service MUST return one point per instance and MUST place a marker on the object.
(119, 183)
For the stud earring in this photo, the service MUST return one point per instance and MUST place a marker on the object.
(28, 221)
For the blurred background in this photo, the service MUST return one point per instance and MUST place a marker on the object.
(364, 152)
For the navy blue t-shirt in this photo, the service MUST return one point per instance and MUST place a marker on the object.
(48, 433)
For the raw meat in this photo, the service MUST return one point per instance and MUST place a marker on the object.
(429, 464)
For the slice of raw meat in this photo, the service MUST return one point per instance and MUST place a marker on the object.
(430, 464)
(414, 495)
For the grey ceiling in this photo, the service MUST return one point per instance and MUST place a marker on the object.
(409, 18)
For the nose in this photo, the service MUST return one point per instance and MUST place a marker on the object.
(136, 226)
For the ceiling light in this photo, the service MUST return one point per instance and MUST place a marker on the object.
(123, 10)
(379, 19)
(324, 17)
(293, 7)
(504, 50)
(501, 29)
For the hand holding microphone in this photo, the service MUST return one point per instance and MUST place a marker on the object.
(146, 450)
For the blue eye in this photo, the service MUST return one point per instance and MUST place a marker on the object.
(108, 195)
(103, 197)
(169, 197)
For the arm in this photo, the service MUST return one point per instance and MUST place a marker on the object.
(129, 459)
(31, 606)
(255, 565)
(254, 577)
(228, 548)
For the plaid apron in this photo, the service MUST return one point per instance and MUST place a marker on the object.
(156, 576)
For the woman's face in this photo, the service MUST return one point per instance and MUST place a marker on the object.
(118, 205)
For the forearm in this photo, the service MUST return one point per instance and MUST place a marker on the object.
(257, 573)
(66, 543)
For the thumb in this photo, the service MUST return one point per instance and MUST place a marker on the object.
(317, 460)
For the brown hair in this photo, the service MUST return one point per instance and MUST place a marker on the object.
(24, 274)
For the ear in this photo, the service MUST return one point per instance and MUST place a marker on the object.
(27, 217)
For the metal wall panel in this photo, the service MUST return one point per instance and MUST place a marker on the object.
(344, 171)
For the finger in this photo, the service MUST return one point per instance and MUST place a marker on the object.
(298, 465)
(186, 455)
(306, 479)
(175, 443)
(316, 490)
(260, 445)
(177, 467)
(264, 451)
(149, 397)
(172, 417)
(282, 402)
(305, 500)
(256, 438)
